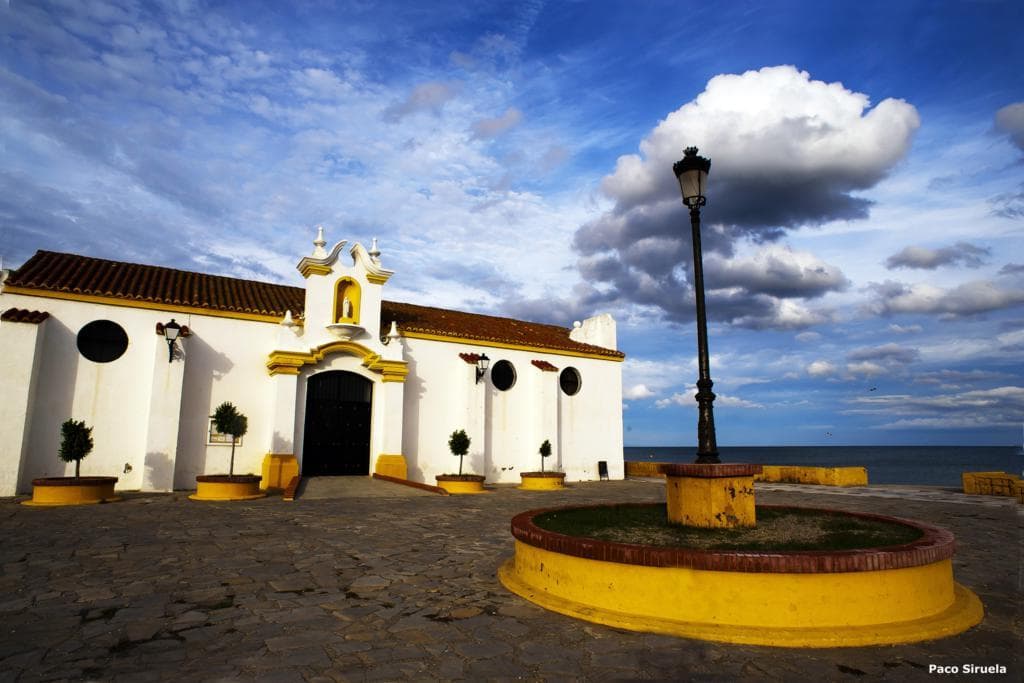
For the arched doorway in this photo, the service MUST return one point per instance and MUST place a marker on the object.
(336, 439)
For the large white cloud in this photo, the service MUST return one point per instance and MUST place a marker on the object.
(786, 151)
(783, 148)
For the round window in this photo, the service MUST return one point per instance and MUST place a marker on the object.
(503, 375)
(570, 381)
(102, 341)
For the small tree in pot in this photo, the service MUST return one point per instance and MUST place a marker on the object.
(545, 451)
(228, 420)
(75, 443)
(230, 486)
(542, 481)
(458, 444)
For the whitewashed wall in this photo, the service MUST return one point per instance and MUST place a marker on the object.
(507, 427)
(133, 403)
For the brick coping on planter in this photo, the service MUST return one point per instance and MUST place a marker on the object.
(460, 477)
(73, 481)
(935, 544)
(546, 475)
(710, 470)
(229, 478)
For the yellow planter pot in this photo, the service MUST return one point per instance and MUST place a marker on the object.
(461, 484)
(221, 487)
(788, 599)
(54, 491)
(542, 481)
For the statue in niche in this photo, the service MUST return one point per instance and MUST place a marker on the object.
(346, 309)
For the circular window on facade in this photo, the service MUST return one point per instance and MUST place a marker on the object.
(503, 375)
(102, 341)
(570, 381)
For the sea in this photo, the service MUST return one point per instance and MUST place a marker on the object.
(921, 465)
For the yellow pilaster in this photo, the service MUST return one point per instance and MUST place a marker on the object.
(392, 465)
(278, 470)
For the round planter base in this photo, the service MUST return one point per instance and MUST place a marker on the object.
(55, 491)
(460, 484)
(812, 599)
(542, 481)
(221, 487)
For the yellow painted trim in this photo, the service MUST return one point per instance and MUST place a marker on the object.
(392, 465)
(147, 305)
(347, 286)
(291, 362)
(504, 345)
(711, 502)
(824, 476)
(845, 609)
(377, 279)
(226, 490)
(308, 269)
(82, 494)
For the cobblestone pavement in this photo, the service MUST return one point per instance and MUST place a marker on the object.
(162, 588)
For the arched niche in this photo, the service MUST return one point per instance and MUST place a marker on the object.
(347, 295)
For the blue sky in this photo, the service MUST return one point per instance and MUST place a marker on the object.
(863, 237)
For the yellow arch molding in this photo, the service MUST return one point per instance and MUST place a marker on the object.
(291, 362)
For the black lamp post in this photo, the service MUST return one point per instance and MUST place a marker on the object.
(692, 173)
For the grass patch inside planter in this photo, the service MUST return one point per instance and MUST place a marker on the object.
(778, 529)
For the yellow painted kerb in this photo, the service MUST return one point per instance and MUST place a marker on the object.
(711, 502)
(787, 610)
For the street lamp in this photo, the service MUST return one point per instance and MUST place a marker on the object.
(692, 173)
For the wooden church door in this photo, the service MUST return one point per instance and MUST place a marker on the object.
(336, 440)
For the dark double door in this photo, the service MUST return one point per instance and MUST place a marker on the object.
(336, 439)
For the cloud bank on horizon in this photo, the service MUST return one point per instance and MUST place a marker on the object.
(864, 222)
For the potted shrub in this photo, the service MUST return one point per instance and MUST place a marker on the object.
(75, 443)
(458, 444)
(230, 486)
(542, 481)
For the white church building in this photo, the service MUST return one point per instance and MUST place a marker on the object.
(332, 377)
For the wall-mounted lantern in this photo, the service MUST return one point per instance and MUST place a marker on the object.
(171, 331)
(482, 364)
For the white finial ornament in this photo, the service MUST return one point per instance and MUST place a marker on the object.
(393, 334)
(319, 243)
(288, 322)
(374, 252)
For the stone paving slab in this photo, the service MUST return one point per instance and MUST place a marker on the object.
(359, 588)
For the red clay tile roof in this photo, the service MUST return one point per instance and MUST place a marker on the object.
(73, 274)
(470, 358)
(21, 315)
(544, 365)
(473, 326)
(69, 273)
